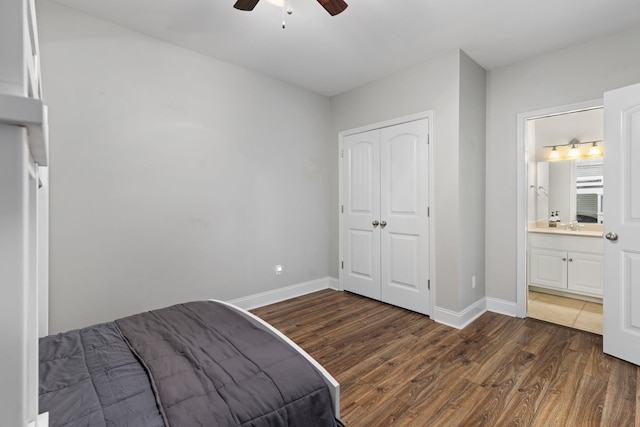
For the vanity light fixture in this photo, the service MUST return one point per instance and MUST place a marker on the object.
(574, 151)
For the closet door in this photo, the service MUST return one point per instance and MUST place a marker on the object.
(404, 219)
(385, 230)
(361, 205)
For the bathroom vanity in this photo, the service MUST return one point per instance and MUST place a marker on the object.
(565, 260)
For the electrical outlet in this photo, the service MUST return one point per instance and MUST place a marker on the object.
(278, 269)
(473, 281)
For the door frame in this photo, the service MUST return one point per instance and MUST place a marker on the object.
(523, 190)
(392, 122)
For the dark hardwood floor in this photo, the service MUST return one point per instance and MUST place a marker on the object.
(399, 368)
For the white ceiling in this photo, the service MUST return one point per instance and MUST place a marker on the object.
(372, 38)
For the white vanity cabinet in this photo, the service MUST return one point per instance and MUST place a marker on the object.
(570, 263)
(548, 267)
(585, 273)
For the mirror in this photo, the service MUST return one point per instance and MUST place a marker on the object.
(573, 188)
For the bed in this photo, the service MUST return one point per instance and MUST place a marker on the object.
(202, 363)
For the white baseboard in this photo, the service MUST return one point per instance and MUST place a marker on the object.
(500, 306)
(460, 319)
(334, 283)
(271, 297)
(447, 317)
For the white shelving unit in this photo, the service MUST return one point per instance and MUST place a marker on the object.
(23, 214)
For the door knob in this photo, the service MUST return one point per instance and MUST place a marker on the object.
(383, 223)
(375, 223)
(611, 236)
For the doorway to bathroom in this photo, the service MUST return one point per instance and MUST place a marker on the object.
(563, 218)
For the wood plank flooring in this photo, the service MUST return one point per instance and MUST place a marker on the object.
(399, 368)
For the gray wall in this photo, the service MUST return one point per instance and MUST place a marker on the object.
(433, 85)
(12, 51)
(472, 180)
(576, 74)
(174, 176)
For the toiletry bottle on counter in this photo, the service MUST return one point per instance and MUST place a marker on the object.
(552, 220)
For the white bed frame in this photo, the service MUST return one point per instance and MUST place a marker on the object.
(334, 387)
(23, 214)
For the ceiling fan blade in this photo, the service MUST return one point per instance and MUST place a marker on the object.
(246, 4)
(334, 7)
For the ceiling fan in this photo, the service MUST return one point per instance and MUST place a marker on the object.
(334, 7)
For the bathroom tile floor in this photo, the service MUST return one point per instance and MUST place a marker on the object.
(578, 314)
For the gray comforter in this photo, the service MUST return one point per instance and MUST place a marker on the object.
(206, 366)
(89, 377)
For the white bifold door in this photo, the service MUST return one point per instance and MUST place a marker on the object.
(385, 223)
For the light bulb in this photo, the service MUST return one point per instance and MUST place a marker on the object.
(554, 154)
(574, 151)
(594, 151)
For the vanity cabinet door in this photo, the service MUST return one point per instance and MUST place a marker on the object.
(548, 268)
(585, 272)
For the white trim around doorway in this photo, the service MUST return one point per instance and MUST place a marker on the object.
(522, 181)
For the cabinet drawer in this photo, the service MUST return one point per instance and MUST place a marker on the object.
(566, 243)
